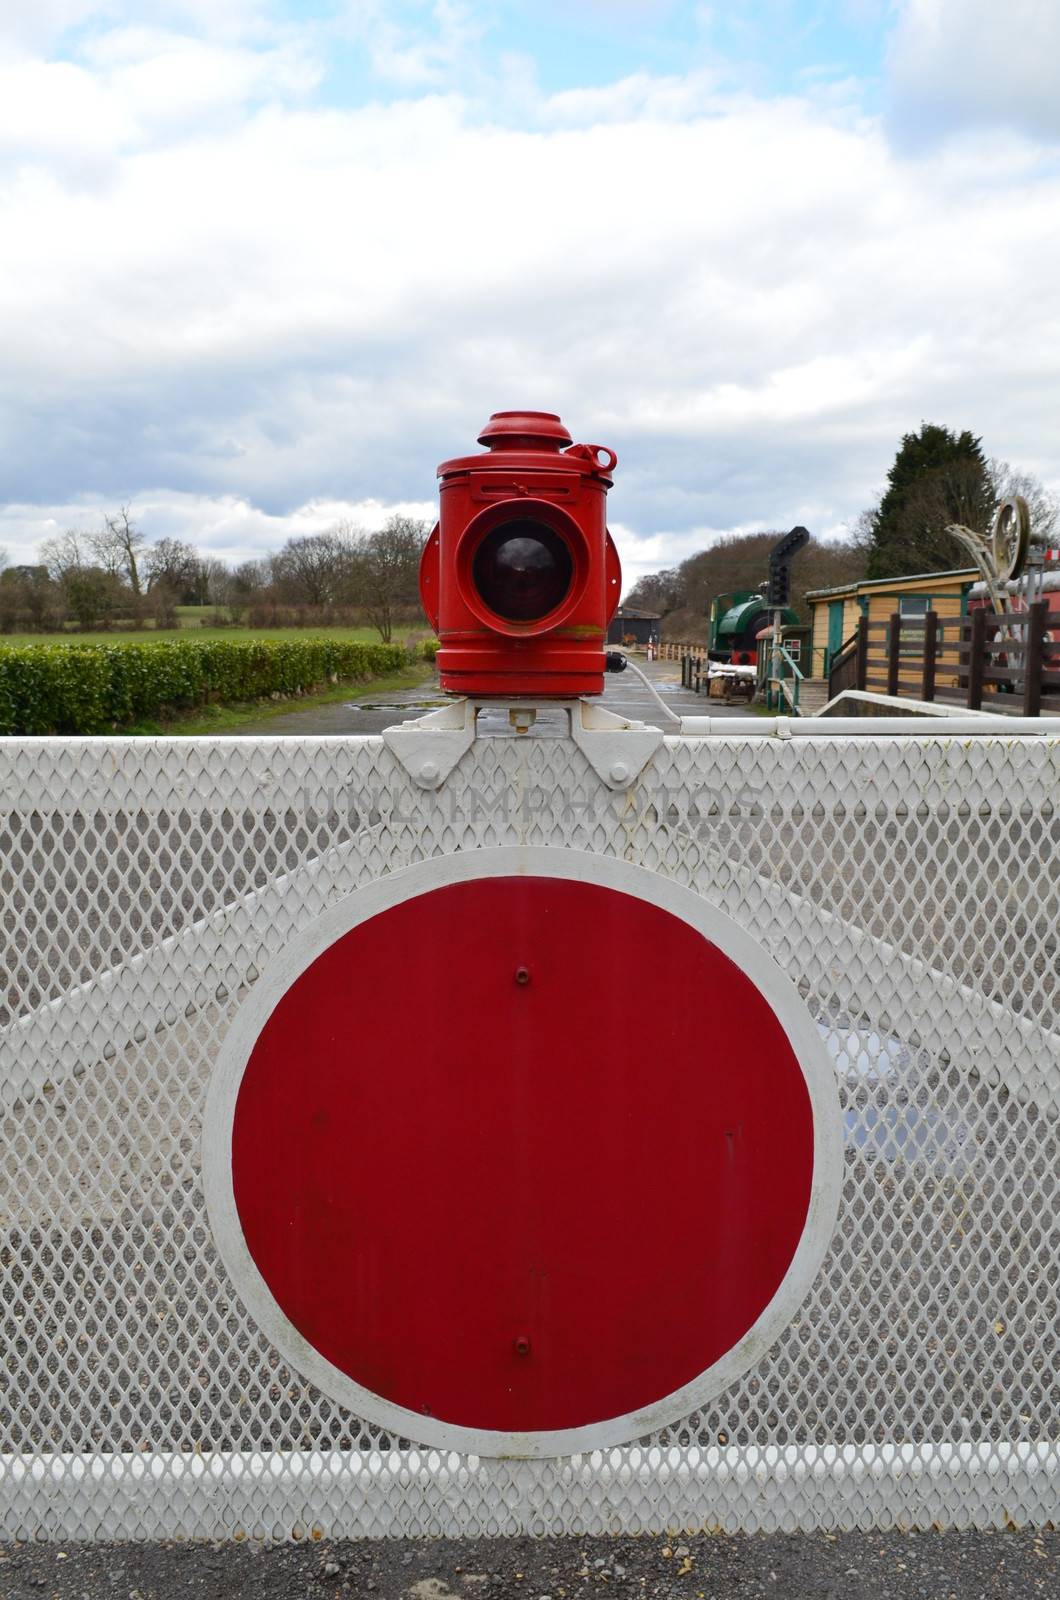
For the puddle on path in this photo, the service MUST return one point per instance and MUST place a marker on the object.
(393, 705)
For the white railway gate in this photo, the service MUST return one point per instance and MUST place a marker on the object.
(906, 886)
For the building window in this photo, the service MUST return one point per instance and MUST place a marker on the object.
(913, 608)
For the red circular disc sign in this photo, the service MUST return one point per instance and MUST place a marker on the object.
(522, 1153)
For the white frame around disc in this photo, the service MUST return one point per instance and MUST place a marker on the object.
(538, 862)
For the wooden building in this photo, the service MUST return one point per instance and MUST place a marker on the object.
(933, 636)
(632, 627)
(834, 613)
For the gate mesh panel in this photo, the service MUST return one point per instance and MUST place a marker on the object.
(907, 886)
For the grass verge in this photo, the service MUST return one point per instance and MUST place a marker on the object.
(222, 719)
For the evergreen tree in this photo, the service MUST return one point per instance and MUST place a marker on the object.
(938, 477)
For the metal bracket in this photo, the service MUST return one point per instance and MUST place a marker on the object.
(429, 747)
(617, 748)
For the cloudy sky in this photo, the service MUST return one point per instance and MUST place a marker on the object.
(264, 263)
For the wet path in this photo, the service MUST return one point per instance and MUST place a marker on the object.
(366, 712)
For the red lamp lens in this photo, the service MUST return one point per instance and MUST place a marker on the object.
(523, 570)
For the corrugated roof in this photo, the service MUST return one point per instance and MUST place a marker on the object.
(882, 583)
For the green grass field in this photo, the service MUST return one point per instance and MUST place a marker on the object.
(193, 616)
(199, 621)
(355, 635)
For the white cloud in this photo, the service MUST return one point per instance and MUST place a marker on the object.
(29, 29)
(55, 115)
(133, 90)
(37, 28)
(224, 526)
(641, 96)
(960, 62)
(419, 46)
(268, 305)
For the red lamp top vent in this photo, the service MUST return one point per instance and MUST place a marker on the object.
(524, 430)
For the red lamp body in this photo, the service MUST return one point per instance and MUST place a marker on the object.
(520, 577)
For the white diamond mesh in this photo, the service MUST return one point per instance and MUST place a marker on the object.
(907, 886)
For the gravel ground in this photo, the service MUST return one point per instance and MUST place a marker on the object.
(933, 1566)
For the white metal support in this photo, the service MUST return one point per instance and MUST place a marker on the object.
(617, 748)
(429, 747)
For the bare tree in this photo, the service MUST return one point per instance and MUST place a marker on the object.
(216, 579)
(861, 531)
(244, 586)
(314, 569)
(1044, 506)
(66, 552)
(117, 545)
(251, 578)
(172, 564)
(386, 570)
(656, 591)
(30, 601)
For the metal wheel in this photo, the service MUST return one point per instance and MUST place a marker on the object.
(1011, 537)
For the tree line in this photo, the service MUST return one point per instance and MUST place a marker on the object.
(682, 594)
(938, 477)
(113, 577)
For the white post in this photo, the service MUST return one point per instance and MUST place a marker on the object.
(775, 667)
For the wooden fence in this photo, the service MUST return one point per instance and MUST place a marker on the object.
(1009, 663)
(677, 650)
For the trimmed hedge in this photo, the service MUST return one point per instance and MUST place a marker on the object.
(94, 688)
